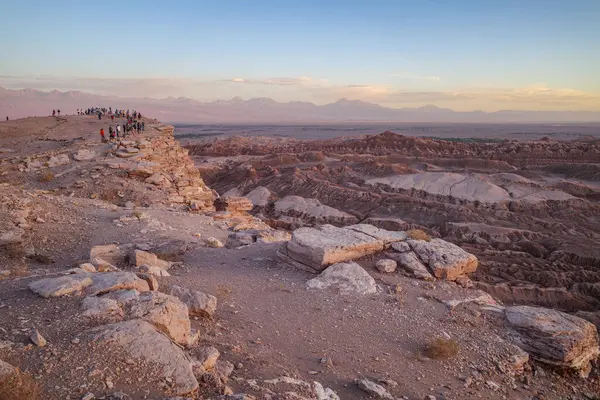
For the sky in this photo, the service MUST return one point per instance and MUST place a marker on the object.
(462, 54)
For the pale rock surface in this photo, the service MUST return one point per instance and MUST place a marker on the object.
(37, 338)
(87, 267)
(107, 254)
(387, 237)
(198, 303)
(444, 259)
(146, 258)
(100, 307)
(316, 248)
(84, 155)
(273, 236)
(111, 281)
(6, 370)
(489, 189)
(554, 337)
(401, 247)
(374, 389)
(150, 279)
(153, 270)
(56, 161)
(207, 358)
(213, 242)
(346, 277)
(60, 286)
(386, 265)
(411, 263)
(260, 196)
(311, 210)
(167, 313)
(141, 340)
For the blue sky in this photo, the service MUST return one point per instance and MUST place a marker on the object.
(462, 54)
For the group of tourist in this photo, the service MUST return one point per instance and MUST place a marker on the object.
(130, 127)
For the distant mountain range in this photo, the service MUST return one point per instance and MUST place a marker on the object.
(31, 102)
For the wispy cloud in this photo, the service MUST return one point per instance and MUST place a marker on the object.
(320, 91)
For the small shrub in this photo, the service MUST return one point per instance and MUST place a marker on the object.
(19, 386)
(440, 349)
(46, 176)
(418, 234)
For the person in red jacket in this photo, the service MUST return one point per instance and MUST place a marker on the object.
(102, 135)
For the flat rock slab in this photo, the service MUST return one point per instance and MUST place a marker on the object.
(112, 281)
(554, 337)
(346, 277)
(198, 303)
(61, 286)
(444, 259)
(141, 340)
(320, 247)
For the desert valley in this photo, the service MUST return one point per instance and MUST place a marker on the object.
(250, 267)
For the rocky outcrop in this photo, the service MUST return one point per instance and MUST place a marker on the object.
(159, 160)
(233, 204)
(346, 277)
(554, 337)
(141, 340)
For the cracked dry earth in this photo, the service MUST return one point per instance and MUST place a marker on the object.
(273, 336)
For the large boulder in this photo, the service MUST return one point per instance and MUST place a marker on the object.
(61, 286)
(444, 259)
(313, 249)
(112, 281)
(141, 340)
(346, 277)
(198, 303)
(554, 337)
(312, 211)
(167, 313)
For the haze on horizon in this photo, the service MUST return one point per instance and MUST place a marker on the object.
(464, 55)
